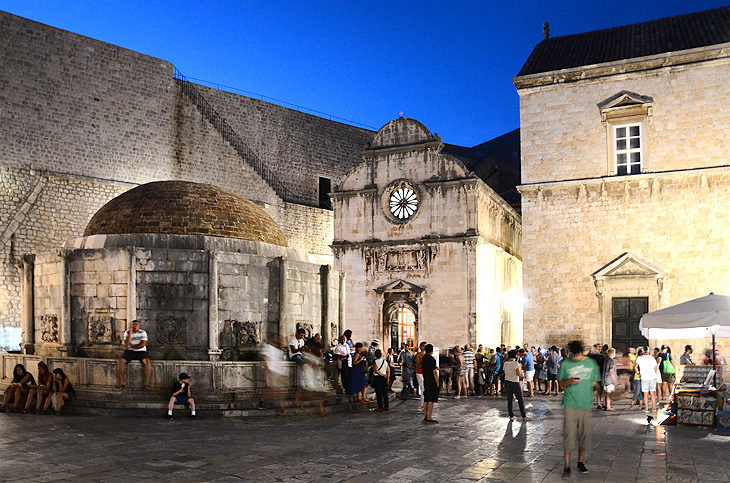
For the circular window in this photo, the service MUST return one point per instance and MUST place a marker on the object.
(401, 201)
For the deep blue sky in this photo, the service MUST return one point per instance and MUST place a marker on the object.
(447, 64)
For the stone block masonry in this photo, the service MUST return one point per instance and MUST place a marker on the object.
(83, 121)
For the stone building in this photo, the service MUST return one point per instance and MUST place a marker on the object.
(208, 273)
(428, 251)
(83, 121)
(625, 175)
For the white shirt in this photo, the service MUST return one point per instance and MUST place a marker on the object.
(382, 366)
(274, 359)
(298, 344)
(137, 338)
(510, 371)
(647, 367)
(343, 350)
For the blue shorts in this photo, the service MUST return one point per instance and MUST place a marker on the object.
(182, 400)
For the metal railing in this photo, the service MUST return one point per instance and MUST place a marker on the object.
(229, 135)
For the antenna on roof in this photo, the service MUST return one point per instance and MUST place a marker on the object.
(545, 30)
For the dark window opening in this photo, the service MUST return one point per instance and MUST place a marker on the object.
(325, 187)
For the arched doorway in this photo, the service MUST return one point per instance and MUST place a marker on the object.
(399, 309)
(403, 328)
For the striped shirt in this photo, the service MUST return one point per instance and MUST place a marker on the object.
(137, 338)
(468, 359)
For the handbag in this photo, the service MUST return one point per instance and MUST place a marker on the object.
(363, 366)
(668, 367)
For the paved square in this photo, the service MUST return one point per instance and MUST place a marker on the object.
(473, 442)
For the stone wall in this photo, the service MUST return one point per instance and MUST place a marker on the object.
(298, 147)
(675, 222)
(99, 290)
(563, 136)
(197, 297)
(86, 121)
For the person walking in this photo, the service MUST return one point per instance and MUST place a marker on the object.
(512, 373)
(430, 384)
(638, 396)
(576, 377)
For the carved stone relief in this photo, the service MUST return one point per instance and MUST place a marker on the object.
(250, 334)
(171, 331)
(100, 329)
(49, 328)
(386, 259)
(308, 329)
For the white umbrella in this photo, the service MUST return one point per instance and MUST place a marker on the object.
(703, 317)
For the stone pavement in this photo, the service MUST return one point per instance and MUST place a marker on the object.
(473, 442)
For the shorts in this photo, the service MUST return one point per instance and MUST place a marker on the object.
(669, 378)
(576, 429)
(182, 400)
(130, 355)
(551, 376)
(530, 375)
(648, 385)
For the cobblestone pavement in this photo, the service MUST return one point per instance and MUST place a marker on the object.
(473, 442)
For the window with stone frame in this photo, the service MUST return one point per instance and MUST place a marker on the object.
(626, 116)
(628, 149)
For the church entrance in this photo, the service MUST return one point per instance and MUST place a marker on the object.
(399, 302)
(403, 328)
(626, 314)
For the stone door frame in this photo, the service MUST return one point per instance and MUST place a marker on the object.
(395, 295)
(626, 276)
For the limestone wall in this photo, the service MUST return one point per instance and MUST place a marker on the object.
(562, 135)
(675, 222)
(49, 300)
(99, 290)
(299, 147)
(85, 121)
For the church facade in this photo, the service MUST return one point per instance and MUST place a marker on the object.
(427, 251)
(625, 176)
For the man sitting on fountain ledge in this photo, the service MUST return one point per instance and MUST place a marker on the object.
(135, 349)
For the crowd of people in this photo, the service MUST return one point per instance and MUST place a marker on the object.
(426, 373)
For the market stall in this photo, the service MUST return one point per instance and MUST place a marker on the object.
(696, 399)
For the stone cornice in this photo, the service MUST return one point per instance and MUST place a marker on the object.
(434, 144)
(525, 188)
(349, 194)
(411, 242)
(626, 66)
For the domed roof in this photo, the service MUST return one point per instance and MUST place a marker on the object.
(185, 208)
(401, 131)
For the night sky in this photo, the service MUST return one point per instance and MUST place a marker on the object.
(447, 64)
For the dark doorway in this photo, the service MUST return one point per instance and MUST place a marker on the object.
(627, 312)
(325, 187)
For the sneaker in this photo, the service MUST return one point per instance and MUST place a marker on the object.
(566, 472)
(527, 418)
(260, 405)
(599, 407)
(192, 416)
(511, 418)
(582, 468)
(168, 416)
(431, 421)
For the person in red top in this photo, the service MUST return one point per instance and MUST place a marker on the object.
(419, 369)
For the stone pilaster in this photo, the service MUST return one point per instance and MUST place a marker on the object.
(214, 352)
(27, 307)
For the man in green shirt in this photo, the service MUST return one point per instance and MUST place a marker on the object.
(576, 378)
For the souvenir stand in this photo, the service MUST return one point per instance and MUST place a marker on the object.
(696, 393)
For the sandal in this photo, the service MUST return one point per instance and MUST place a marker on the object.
(42, 412)
(147, 387)
(2, 409)
(58, 413)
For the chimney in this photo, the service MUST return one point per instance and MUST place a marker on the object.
(546, 31)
